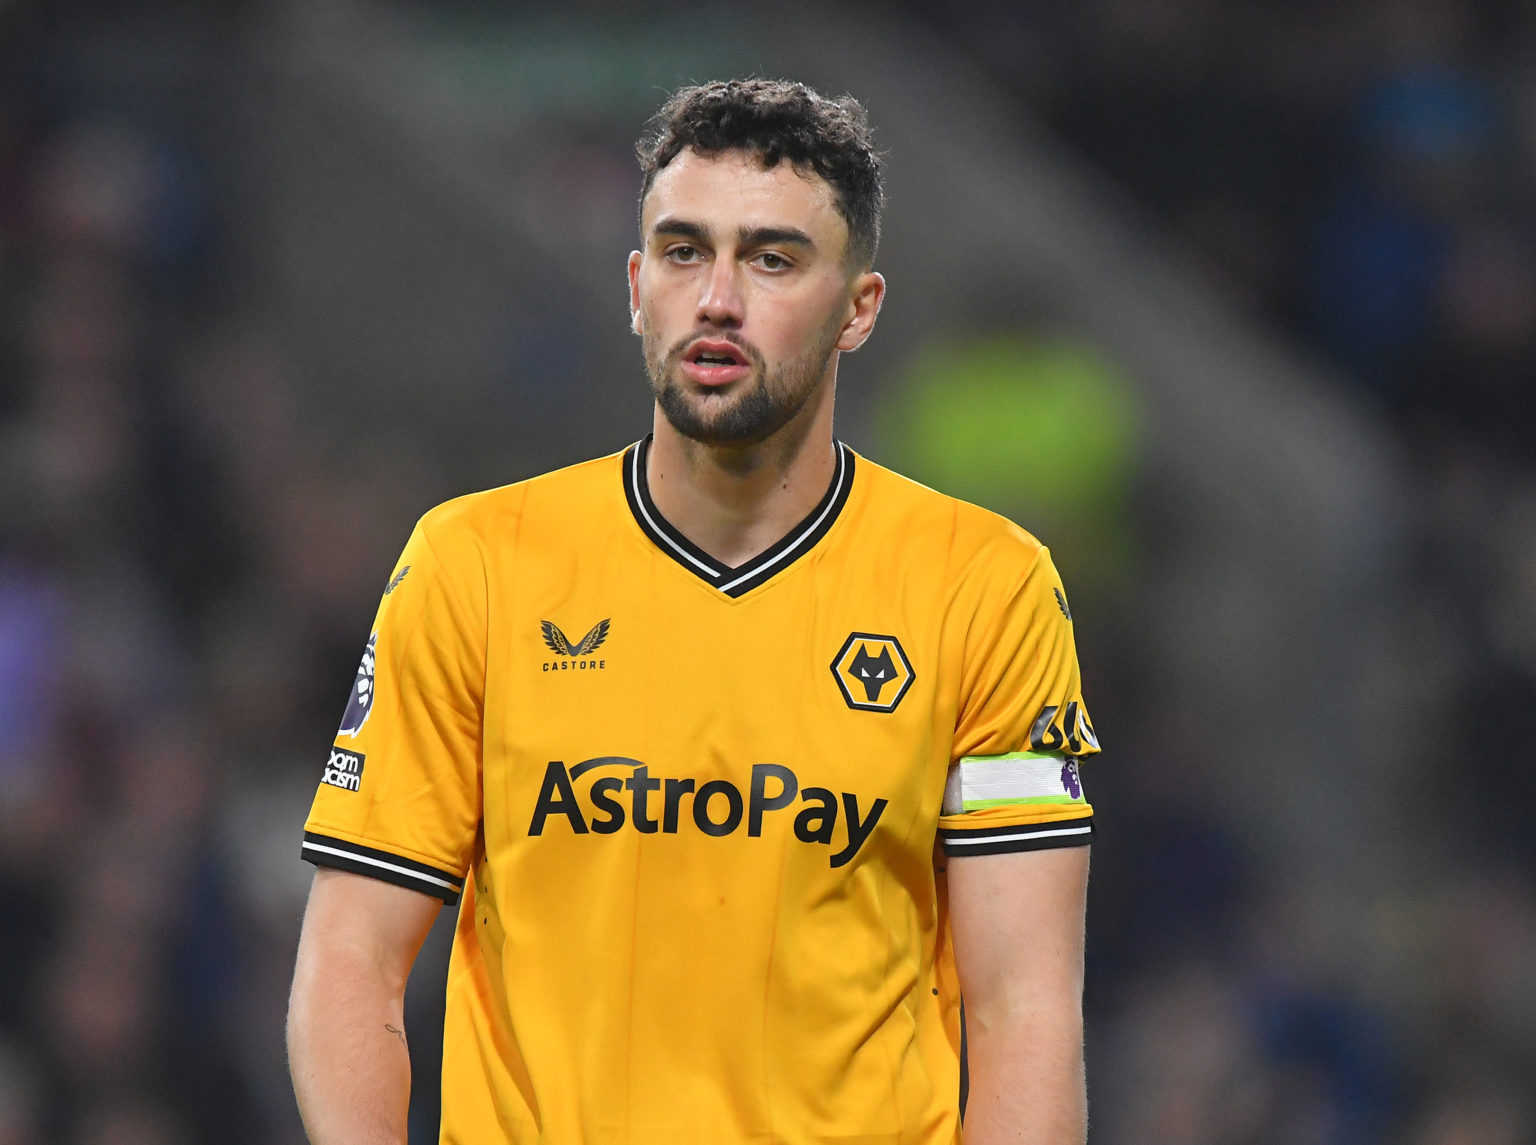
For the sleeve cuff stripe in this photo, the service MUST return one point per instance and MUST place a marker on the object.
(967, 830)
(399, 870)
(327, 851)
(1018, 844)
(953, 840)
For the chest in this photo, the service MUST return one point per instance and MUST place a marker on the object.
(642, 700)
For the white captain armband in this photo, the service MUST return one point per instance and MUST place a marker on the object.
(1023, 801)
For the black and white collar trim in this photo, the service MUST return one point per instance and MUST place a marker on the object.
(744, 578)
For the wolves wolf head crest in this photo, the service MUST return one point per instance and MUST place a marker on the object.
(864, 666)
(874, 672)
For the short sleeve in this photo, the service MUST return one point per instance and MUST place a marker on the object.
(399, 798)
(1014, 782)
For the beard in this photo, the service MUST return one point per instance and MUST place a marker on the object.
(747, 412)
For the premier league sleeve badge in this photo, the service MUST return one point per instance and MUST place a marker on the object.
(360, 702)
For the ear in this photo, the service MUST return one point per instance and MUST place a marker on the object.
(635, 323)
(863, 309)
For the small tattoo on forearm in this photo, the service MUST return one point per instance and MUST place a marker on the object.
(399, 1033)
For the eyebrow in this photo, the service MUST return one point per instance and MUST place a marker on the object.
(773, 236)
(682, 228)
(745, 236)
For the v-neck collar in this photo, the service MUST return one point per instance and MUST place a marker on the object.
(743, 578)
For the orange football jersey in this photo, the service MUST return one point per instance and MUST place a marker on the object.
(695, 813)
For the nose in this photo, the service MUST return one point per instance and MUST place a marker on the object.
(721, 303)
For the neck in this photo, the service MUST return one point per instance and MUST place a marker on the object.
(735, 502)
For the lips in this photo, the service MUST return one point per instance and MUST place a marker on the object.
(711, 362)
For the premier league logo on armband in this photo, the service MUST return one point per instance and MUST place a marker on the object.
(360, 703)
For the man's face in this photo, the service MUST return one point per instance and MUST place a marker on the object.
(741, 294)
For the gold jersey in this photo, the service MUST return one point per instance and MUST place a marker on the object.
(699, 815)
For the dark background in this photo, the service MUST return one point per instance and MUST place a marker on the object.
(1234, 304)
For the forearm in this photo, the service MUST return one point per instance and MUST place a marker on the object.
(1026, 1076)
(347, 1053)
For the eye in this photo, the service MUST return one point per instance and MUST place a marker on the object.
(683, 253)
(769, 260)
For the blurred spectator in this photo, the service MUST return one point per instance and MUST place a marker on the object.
(1417, 159)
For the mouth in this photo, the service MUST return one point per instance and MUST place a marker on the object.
(715, 363)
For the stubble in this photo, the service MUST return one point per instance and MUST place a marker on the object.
(747, 412)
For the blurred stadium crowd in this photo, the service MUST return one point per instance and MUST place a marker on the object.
(172, 543)
(1362, 176)
(182, 553)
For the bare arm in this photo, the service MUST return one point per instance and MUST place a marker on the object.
(346, 1023)
(1018, 929)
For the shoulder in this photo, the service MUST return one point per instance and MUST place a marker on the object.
(972, 540)
(472, 519)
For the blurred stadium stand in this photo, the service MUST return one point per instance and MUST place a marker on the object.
(1245, 296)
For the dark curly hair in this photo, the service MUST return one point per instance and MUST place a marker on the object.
(777, 119)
